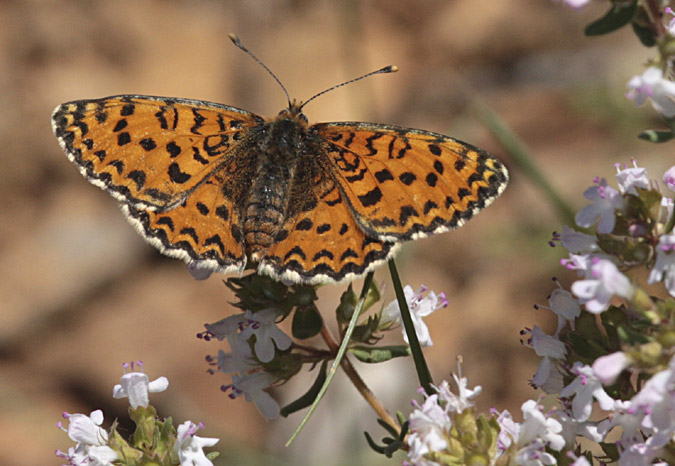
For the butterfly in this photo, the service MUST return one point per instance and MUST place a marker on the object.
(220, 187)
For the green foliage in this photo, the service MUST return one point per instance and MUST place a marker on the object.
(618, 16)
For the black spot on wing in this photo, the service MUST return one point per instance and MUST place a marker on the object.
(173, 149)
(176, 175)
(304, 225)
(383, 175)
(148, 144)
(123, 139)
(297, 250)
(138, 177)
(371, 198)
(407, 178)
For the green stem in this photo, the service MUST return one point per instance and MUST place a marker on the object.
(340, 354)
(423, 373)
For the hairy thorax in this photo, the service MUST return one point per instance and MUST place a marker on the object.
(265, 213)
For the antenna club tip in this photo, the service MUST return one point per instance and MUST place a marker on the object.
(233, 37)
(392, 68)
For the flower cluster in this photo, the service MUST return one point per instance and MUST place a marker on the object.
(613, 346)
(154, 442)
(445, 429)
(612, 353)
(262, 356)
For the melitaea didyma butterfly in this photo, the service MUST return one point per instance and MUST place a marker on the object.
(218, 186)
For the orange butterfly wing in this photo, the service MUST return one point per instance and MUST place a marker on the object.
(404, 184)
(323, 243)
(170, 162)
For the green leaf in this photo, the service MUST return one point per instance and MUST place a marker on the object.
(347, 304)
(617, 17)
(371, 354)
(307, 322)
(645, 34)
(309, 397)
(657, 136)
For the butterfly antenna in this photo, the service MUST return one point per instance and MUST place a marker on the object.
(238, 43)
(386, 69)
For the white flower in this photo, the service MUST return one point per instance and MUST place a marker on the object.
(420, 306)
(189, 447)
(547, 347)
(226, 327)
(607, 368)
(573, 428)
(457, 403)
(531, 437)
(605, 282)
(576, 4)
(135, 385)
(577, 242)
(538, 426)
(428, 426)
(622, 414)
(652, 85)
(657, 401)
(263, 325)
(669, 178)
(92, 440)
(253, 386)
(240, 359)
(564, 305)
(631, 178)
(579, 262)
(86, 429)
(584, 388)
(664, 268)
(606, 200)
(671, 24)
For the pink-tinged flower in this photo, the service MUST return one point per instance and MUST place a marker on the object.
(581, 263)
(630, 178)
(189, 447)
(263, 325)
(671, 23)
(577, 242)
(604, 282)
(576, 4)
(652, 85)
(253, 386)
(92, 441)
(550, 349)
(564, 305)
(607, 368)
(585, 388)
(606, 200)
(457, 403)
(530, 438)
(669, 178)
(664, 268)
(429, 425)
(420, 306)
(657, 401)
(624, 415)
(136, 386)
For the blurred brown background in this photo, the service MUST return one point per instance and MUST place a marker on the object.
(80, 292)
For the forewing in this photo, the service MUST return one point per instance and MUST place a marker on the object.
(151, 152)
(324, 243)
(171, 162)
(403, 184)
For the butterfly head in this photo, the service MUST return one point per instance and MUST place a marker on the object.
(293, 112)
